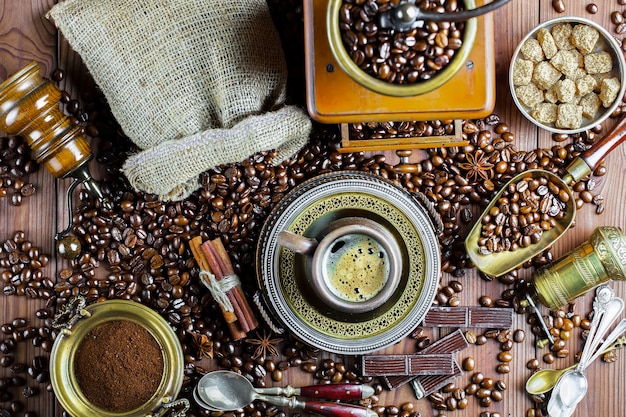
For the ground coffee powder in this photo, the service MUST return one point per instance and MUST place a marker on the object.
(118, 366)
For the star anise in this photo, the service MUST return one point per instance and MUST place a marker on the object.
(265, 345)
(203, 345)
(477, 166)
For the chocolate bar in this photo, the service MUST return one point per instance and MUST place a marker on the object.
(412, 365)
(479, 317)
(452, 343)
(426, 385)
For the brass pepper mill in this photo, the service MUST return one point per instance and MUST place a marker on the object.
(29, 107)
(600, 259)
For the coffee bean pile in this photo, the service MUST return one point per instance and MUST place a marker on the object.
(22, 266)
(395, 56)
(522, 213)
(15, 165)
(142, 243)
(21, 381)
(406, 129)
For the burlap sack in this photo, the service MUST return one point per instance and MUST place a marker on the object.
(194, 83)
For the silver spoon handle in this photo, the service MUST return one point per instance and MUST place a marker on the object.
(604, 294)
(612, 310)
(610, 339)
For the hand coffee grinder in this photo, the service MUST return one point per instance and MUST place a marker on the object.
(29, 107)
(339, 91)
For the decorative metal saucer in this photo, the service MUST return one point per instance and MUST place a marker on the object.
(306, 211)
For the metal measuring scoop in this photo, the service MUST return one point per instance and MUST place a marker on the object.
(572, 386)
(228, 391)
(544, 380)
(499, 263)
(566, 411)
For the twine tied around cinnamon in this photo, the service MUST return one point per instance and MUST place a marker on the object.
(218, 275)
(219, 288)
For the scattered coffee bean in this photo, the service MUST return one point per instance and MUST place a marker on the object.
(469, 364)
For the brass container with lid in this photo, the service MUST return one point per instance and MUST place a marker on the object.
(600, 259)
(81, 320)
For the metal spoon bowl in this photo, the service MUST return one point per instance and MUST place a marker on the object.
(577, 387)
(544, 380)
(572, 387)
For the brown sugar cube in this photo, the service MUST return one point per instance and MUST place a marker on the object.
(532, 50)
(529, 95)
(599, 78)
(547, 42)
(585, 85)
(608, 91)
(590, 104)
(585, 37)
(598, 63)
(544, 113)
(569, 116)
(565, 90)
(522, 71)
(550, 95)
(562, 36)
(568, 62)
(577, 74)
(545, 75)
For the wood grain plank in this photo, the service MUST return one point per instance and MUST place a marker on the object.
(25, 35)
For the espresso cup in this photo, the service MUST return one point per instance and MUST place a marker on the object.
(355, 266)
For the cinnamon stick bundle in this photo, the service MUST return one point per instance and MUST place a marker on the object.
(213, 259)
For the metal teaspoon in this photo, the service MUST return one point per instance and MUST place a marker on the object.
(226, 391)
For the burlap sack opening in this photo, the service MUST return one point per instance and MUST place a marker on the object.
(193, 83)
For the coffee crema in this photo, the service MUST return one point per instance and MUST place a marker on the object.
(357, 268)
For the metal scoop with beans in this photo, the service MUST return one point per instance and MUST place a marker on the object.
(532, 211)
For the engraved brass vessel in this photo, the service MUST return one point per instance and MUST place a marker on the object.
(600, 259)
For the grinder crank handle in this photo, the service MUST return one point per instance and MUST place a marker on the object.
(606, 144)
(327, 391)
(81, 175)
(590, 159)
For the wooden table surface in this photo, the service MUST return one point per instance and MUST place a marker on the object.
(25, 35)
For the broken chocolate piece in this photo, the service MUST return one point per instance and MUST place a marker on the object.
(452, 343)
(480, 317)
(412, 365)
(426, 385)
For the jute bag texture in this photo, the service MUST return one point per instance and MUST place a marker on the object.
(193, 83)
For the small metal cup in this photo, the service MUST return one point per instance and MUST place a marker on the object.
(355, 267)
